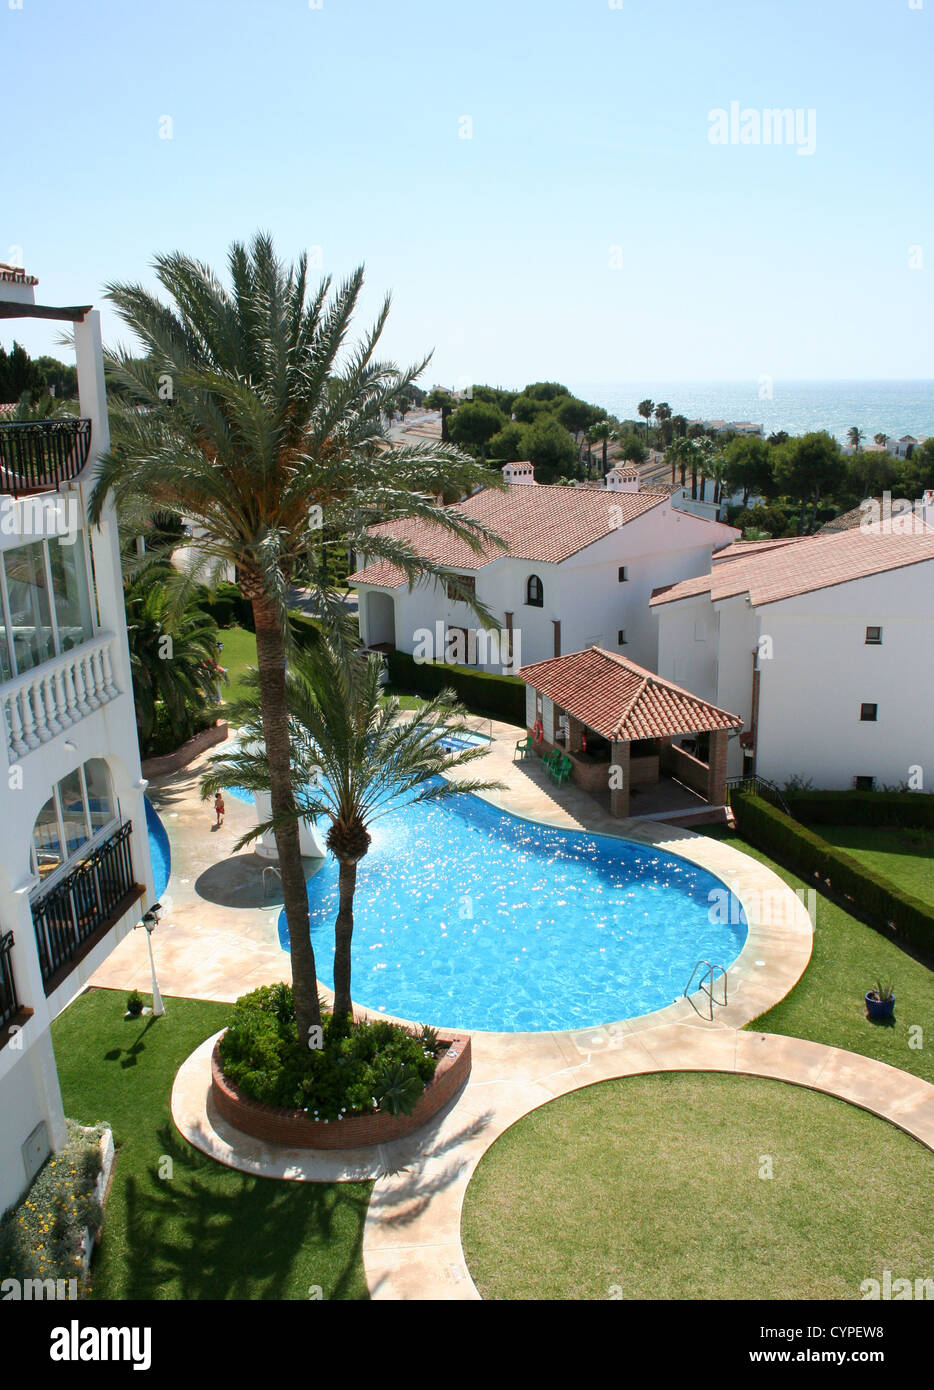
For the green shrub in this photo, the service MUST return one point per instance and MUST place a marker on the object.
(228, 607)
(870, 897)
(862, 808)
(501, 696)
(40, 1238)
(362, 1067)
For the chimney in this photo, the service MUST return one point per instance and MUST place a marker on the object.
(927, 508)
(518, 473)
(623, 478)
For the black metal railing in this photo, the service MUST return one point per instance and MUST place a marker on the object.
(9, 1004)
(759, 786)
(40, 455)
(75, 908)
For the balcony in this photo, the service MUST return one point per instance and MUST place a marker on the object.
(59, 693)
(82, 907)
(9, 1003)
(40, 455)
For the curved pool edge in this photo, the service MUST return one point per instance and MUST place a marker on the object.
(156, 831)
(783, 947)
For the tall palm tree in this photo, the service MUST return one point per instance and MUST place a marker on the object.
(663, 417)
(855, 437)
(646, 409)
(601, 433)
(879, 438)
(355, 761)
(250, 415)
(679, 425)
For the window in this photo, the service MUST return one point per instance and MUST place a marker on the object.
(80, 807)
(459, 584)
(621, 637)
(864, 784)
(869, 713)
(45, 603)
(873, 637)
(623, 576)
(534, 593)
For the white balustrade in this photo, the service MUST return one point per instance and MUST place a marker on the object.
(51, 697)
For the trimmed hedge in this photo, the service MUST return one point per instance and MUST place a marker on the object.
(862, 808)
(228, 607)
(501, 696)
(871, 898)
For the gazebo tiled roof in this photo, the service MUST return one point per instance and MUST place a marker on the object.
(620, 700)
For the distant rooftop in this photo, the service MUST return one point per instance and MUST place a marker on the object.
(812, 562)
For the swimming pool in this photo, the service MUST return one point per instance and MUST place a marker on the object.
(159, 850)
(469, 917)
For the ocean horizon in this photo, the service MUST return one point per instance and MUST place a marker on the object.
(892, 407)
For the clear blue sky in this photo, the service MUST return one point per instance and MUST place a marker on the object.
(338, 127)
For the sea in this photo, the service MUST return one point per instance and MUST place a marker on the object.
(894, 408)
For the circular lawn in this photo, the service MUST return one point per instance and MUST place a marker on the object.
(697, 1185)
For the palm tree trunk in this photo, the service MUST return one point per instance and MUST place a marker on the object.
(694, 484)
(343, 932)
(270, 662)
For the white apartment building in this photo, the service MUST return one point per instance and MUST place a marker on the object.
(75, 873)
(824, 645)
(577, 569)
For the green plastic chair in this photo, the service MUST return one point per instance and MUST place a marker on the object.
(561, 769)
(524, 747)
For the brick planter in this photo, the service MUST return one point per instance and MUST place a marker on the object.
(275, 1125)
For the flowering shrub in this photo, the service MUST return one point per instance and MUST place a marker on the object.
(41, 1237)
(361, 1067)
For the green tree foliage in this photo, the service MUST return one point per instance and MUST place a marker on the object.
(506, 444)
(748, 464)
(473, 425)
(550, 449)
(810, 466)
(18, 374)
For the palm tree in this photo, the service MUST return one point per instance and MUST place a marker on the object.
(601, 433)
(250, 416)
(663, 416)
(679, 425)
(355, 761)
(855, 437)
(880, 438)
(646, 409)
(173, 653)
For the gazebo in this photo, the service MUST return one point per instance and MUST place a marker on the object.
(625, 728)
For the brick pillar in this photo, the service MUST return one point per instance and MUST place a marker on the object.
(575, 727)
(619, 772)
(716, 768)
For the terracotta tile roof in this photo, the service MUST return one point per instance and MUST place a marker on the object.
(16, 274)
(620, 700)
(813, 562)
(740, 549)
(536, 522)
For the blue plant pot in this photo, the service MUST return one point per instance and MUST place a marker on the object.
(879, 1008)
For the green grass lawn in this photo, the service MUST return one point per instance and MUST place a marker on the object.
(904, 856)
(239, 653)
(650, 1187)
(178, 1225)
(826, 1005)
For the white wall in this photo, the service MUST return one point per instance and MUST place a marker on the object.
(822, 670)
(583, 593)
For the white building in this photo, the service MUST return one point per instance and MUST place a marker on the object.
(577, 569)
(75, 874)
(824, 645)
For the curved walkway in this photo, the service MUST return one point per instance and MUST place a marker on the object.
(411, 1240)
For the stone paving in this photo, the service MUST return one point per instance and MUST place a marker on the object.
(218, 939)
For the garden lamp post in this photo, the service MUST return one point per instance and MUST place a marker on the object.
(150, 922)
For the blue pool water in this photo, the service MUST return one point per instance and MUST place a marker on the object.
(158, 848)
(468, 917)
